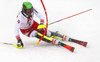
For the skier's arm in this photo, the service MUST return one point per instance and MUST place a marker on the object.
(39, 15)
(19, 41)
(17, 27)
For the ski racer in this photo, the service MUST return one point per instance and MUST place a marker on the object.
(28, 26)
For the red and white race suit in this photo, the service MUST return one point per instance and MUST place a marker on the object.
(28, 26)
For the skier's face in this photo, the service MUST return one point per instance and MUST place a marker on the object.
(29, 11)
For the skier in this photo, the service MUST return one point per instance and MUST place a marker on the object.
(28, 26)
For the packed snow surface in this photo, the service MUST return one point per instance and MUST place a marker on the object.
(84, 27)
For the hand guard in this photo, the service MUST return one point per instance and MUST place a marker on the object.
(41, 26)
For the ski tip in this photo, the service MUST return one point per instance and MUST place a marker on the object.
(85, 44)
(72, 49)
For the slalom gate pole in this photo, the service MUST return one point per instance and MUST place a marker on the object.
(46, 22)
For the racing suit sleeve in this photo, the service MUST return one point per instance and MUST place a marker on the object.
(17, 27)
(39, 15)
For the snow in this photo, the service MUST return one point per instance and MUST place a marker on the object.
(83, 27)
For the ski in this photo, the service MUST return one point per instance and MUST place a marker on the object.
(83, 43)
(70, 48)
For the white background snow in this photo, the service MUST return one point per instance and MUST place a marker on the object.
(83, 27)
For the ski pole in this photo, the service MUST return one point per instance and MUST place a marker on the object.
(43, 26)
(8, 43)
(46, 22)
(11, 44)
(70, 16)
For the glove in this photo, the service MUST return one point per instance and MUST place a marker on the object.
(19, 44)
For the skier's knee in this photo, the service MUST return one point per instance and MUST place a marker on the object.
(45, 38)
(33, 34)
(56, 34)
(48, 33)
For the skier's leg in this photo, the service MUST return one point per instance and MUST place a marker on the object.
(54, 41)
(48, 33)
(45, 38)
(56, 35)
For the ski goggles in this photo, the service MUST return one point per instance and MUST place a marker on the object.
(29, 10)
